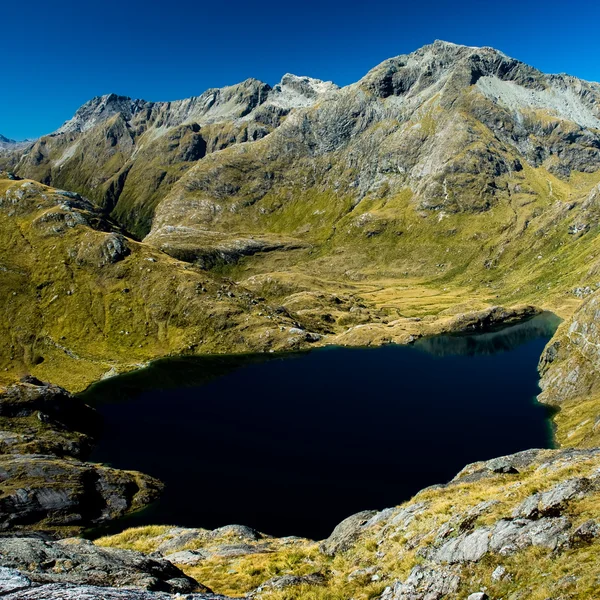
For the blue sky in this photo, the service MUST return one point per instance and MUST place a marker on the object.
(58, 54)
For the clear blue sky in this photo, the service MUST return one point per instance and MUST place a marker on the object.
(57, 54)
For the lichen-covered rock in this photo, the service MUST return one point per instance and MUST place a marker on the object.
(16, 585)
(346, 533)
(424, 583)
(286, 581)
(78, 561)
(554, 501)
(103, 249)
(469, 547)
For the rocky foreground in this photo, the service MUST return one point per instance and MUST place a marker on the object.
(499, 529)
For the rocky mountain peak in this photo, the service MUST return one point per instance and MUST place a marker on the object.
(296, 92)
(446, 70)
(432, 66)
(7, 145)
(99, 109)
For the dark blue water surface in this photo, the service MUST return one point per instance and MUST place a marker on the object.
(292, 444)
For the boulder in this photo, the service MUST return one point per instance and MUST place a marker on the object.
(509, 536)
(346, 533)
(286, 581)
(188, 558)
(468, 547)
(554, 501)
(425, 583)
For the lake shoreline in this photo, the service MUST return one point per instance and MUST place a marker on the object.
(173, 376)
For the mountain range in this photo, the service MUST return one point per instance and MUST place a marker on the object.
(448, 180)
(449, 189)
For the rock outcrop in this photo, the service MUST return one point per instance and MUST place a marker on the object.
(79, 562)
(18, 585)
(44, 484)
(569, 370)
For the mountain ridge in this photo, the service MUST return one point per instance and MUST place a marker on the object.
(430, 172)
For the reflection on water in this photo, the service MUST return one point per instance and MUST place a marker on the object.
(501, 339)
(292, 444)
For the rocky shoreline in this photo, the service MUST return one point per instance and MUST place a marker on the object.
(49, 494)
(45, 484)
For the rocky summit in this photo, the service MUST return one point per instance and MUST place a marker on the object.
(448, 190)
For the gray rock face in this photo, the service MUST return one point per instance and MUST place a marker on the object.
(64, 425)
(571, 361)
(14, 585)
(12, 580)
(66, 493)
(102, 250)
(345, 533)
(508, 537)
(424, 583)
(83, 592)
(469, 547)
(77, 561)
(114, 248)
(42, 482)
(505, 537)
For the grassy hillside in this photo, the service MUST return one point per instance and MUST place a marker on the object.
(79, 298)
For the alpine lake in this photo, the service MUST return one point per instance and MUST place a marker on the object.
(291, 444)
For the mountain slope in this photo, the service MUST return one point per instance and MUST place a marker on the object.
(455, 166)
(80, 298)
(125, 154)
(444, 181)
(8, 146)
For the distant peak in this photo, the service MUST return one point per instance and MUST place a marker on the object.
(99, 109)
(295, 91)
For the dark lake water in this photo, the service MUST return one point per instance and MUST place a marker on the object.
(292, 444)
